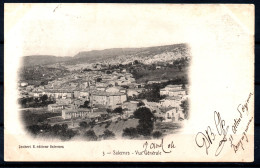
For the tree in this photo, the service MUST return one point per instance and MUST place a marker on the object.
(183, 86)
(99, 79)
(108, 110)
(40, 120)
(140, 103)
(90, 135)
(185, 107)
(118, 110)
(23, 102)
(108, 134)
(143, 113)
(83, 124)
(85, 105)
(152, 93)
(145, 116)
(157, 134)
(34, 129)
(145, 127)
(64, 126)
(68, 134)
(56, 129)
(130, 132)
(44, 98)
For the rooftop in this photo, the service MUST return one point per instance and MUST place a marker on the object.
(103, 93)
(76, 110)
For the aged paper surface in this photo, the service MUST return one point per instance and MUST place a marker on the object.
(129, 82)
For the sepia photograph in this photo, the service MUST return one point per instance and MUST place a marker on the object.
(105, 94)
(129, 82)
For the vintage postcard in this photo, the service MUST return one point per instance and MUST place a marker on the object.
(129, 82)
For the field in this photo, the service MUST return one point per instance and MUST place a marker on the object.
(116, 127)
(33, 116)
(167, 127)
(160, 74)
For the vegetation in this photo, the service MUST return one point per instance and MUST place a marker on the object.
(152, 94)
(108, 124)
(181, 63)
(90, 135)
(85, 105)
(40, 75)
(145, 117)
(157, 134)
(34, 102)
(108, 134)
(118, 110)
(140, 103)
(130, 132)
(143, 113)
(83, 125)
(60, 131)
(185, 107)
(37, 116)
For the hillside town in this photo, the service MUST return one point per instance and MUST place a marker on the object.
(104, 98)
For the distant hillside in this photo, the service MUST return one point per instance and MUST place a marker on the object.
(124, 55)
(33, 60)
(116, 55)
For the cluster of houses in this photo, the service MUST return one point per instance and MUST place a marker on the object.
(175, 94)
(102, 91)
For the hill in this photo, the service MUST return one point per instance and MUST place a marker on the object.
(126, 55)
(33, 60)
(115, 55)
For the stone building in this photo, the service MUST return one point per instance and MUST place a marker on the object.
(107, 99)
(74, 113)
(173, 115)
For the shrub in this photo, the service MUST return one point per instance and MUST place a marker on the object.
(118, 110)
(107, 124)
(91, 135)
(140, 104)
(185, 106)
(108, 134)
(130, 132)
(157, 134)
(83, 124)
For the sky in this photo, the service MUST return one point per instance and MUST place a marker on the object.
(66, 29)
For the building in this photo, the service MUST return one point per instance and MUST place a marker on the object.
(37, 94)
(107, 99)
(158, 67)
(74, 113)
(84, 94)
(76, 93)
(173, 91)
(64, 101)
(170, 102)
(24, 84)
(173, 115)
(152, 82)
(96, 115)
(130, 106)
(59, 93)
(115, 89)
(56, 107)
(134, 92)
